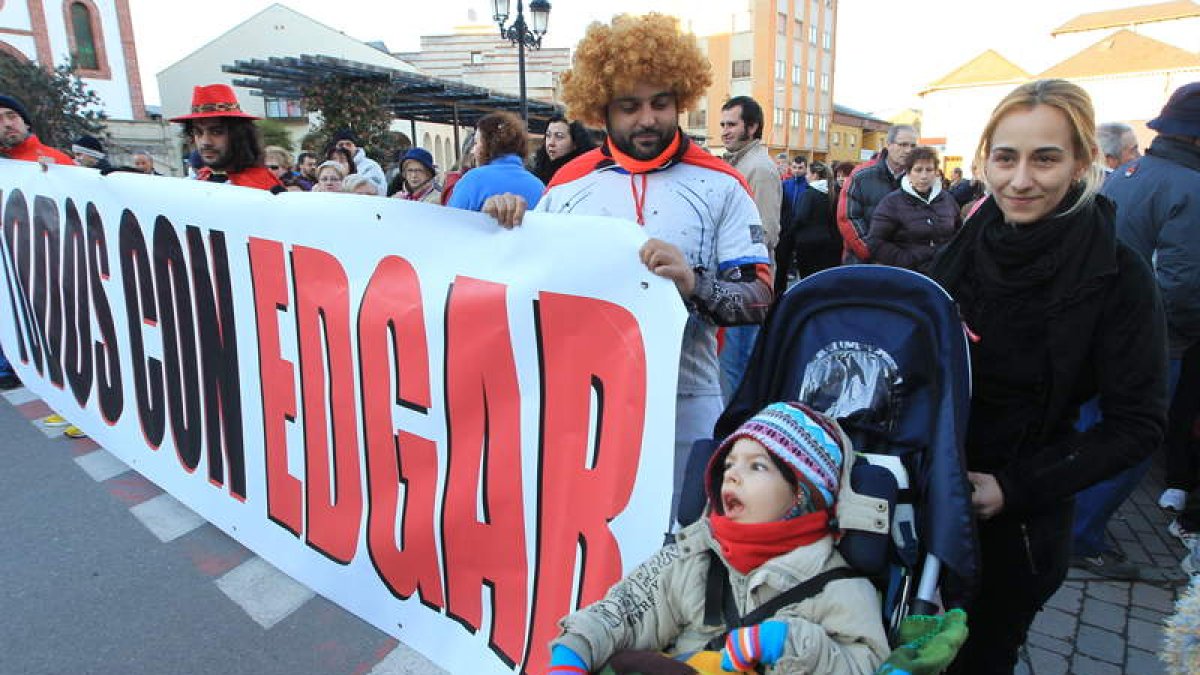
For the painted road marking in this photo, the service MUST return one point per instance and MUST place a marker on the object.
(19, 396)
(166, 517)
(404, 660)
(265, 593)
(101, 465)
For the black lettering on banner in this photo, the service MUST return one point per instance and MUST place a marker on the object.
(110, 396)
(47, 301)
(139, 310)
(179, 342)
(78, 349)
(15, 217)
(23, 250)
(218, 352)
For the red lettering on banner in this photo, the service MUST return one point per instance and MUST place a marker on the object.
(590, 350)
(332, 480)
(483, 411)
(391, 330)
(284, 498)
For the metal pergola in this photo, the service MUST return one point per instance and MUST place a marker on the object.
(414, 97)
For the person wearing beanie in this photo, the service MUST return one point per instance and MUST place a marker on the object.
(17, 140)
(418, 178)
(89, 152)
(363, 165)
(1158, 216)
(772, 485)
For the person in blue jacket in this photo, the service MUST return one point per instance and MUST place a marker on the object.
(500, 148)
(1158, 216)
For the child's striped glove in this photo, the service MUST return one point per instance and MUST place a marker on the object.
(564, 661)
(745, 648)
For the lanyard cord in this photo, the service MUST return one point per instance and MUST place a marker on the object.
(639, 201)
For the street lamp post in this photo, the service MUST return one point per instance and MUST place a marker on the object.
(522, 34)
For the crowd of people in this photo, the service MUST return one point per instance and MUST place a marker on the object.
(1074, 261)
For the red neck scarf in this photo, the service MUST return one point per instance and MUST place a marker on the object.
(638, 166)
(748, 545)
(681, 149)
(420, 194)
(252, 177)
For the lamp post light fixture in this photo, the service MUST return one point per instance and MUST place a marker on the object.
(523, 34)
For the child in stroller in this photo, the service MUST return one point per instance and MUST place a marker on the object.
(758, 578)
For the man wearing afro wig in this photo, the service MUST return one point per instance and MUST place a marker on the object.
(635, 76)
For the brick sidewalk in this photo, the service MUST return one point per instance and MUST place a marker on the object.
(1094, 626)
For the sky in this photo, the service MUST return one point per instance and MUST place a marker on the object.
(887, 51)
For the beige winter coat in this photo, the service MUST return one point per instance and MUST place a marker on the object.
(755, 164)
(660, 606)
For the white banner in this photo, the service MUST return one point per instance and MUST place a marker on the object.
(457, 432)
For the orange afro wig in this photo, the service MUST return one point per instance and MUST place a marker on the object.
(613, 59)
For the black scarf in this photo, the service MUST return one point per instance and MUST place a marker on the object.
(1012, 284)
(1055, 254)
(547, 167)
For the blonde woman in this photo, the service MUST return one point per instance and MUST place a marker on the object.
(1062, 312)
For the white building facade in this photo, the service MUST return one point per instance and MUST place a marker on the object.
(96, 34)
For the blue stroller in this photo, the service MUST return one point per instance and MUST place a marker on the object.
(882, 350)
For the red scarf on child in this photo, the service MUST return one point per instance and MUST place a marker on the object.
(746, 546)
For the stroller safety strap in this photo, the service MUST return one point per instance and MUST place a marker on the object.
(720, 608)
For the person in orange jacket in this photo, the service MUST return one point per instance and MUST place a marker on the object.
(17, 140)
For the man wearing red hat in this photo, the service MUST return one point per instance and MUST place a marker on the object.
(226, 139)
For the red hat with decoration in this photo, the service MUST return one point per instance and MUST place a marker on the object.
(214, 100)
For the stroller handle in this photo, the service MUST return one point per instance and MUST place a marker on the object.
(924, 602)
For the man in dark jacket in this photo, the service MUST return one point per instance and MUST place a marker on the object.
(793, 187)
(1118, 143)
(867, 186)
(1158, 216)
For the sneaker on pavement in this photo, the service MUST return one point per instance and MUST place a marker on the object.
(1172, 499)
(74, 432)
(1108, 564)
(55, 420)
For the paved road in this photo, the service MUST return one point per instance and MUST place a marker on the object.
(102, 572)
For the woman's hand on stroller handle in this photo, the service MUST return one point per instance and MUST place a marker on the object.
(986, 496)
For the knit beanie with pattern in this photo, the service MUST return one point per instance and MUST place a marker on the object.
(800, 438)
